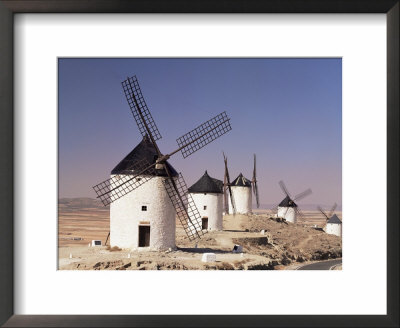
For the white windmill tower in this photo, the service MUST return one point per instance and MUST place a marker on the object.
(145, 216)
(287, 208)
(239, 198)
(333, 223)
(241, 190)
(207, 195)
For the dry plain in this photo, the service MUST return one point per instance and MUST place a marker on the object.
(282, 245)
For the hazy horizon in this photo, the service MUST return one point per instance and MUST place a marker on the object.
(287, 111)
(303, 206)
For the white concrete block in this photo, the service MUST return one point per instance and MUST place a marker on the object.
(208, 257)
(96, 243)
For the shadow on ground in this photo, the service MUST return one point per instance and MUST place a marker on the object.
(203, 250)
(234, 230)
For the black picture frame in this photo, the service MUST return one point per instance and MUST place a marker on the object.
(10, 7)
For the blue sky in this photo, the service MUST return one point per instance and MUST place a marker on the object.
(287, 111)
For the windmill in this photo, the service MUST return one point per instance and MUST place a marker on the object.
(207, 194)
(333, 223)
(254, 183)
(287, 208)
(227, 187)
(144, 217)
(240, 191)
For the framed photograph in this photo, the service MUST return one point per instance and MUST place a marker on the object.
(199, 164)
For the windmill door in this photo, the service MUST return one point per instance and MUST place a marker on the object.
(204, 223)
(144, 236)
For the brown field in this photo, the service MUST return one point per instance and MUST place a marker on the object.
(283, 245)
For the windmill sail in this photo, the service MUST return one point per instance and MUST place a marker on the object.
(119, 185)
(225, 193)
(254, 183)
(256, 193)
(332, 210)
(138, 106)
(185, 208)
(323, 212)
(299, 212)
(303, 194)
(192, 141)
(227, 187)
(284, 189)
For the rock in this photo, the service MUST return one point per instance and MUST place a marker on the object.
(260, 266)
(237, 249)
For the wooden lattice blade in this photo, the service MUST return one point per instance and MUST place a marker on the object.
(205, 133)
(133, 92)
(119, 185)
(185, 208)
(303, 194)
(228, 187)
(332, 210)
(284, 189)
(256, 193)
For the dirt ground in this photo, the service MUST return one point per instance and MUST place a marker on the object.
(280, 246)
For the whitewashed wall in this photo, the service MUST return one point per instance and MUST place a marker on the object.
(242, 198)
(214, 208)
(126, 213)
(334, 229)
(287, 213)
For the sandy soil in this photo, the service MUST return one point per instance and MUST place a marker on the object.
(282, 245)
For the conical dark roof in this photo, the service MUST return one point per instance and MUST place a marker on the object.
(206, 184)
(144, 150)
(241, 181)
(220, 184)
(287, 202)
(334, 219)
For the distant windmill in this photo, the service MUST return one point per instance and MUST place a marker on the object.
(207, 195)
(240, 191)
(145, 217)
(333, 223)
(287, 208)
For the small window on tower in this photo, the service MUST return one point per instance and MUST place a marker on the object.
(138, 179)
(204, 207)
(144, 208)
